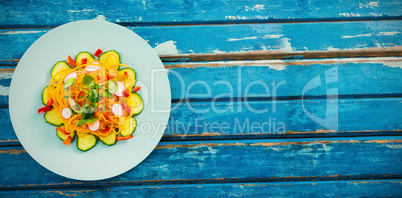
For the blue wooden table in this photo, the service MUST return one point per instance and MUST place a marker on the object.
(269, 98)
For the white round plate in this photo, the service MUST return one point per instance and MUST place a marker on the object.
(33, 74)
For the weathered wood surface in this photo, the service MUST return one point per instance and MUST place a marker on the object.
(259, 117)
(247, 41)
(215, 41)
(229, 161)
(360, 188)
(276, 79)
(51, 13)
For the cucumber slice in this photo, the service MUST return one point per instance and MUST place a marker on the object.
(109, 140)
(52, 117)
(134, 101)
(86, 142)
(110, 58)
(63, 136)
(130, 126)
(83, 55)
(61, 65)
(45, 98)
(132, 74)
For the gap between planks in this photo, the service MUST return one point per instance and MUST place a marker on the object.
(288, 135)
(280, 54)
(212, 136)
(260, 142)
(280, 64)
(387, 60)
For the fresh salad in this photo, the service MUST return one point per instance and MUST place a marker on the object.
(92, 98)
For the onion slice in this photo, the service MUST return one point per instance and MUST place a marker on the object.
(66, 113)
(94, 126)
(117, 109)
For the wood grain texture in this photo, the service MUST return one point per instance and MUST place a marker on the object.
(241, 118)
(360, 77)
(198, 41)
(51, 13)
(206, 42)
(233, 161)
(363, 188)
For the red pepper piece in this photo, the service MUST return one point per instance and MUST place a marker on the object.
(109, 76)
(61, 129)
(126, 108)
(44, 109)
(108, 117)
(71, 61)
(68, 140)
(107, 130)
(126, 92)
(137, 89)
(98, 52)
(125, 137)
(126, 75)
(84, 61)
(81, 94)
(49, 102)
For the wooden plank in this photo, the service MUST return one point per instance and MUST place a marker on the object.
(285, 79)
(247, 41)
(275, 38)
(50, 13)
(249, 117)
(363, 188)
(284, 116)
(355, 77)
(230, 161)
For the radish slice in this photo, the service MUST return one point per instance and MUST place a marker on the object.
(92, 67)
(117, 109)
(71, 75)
(66, 113)
(94, 126)
(120, 88)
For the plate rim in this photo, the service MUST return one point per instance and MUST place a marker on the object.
(12, 103)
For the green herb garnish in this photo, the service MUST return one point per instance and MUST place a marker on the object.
(93, 95)
(91, 120)
(87, 80)
(81, 122)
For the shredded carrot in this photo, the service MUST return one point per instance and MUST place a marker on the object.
(61, 95)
